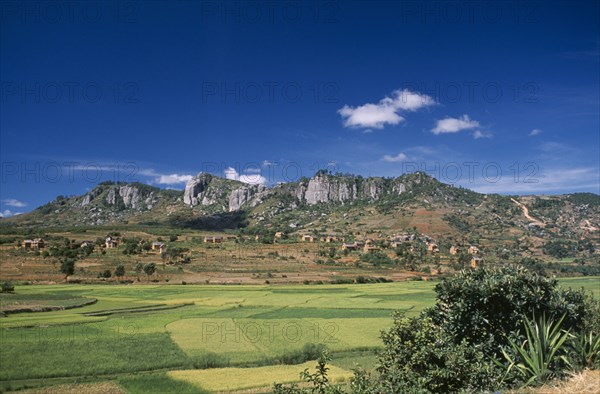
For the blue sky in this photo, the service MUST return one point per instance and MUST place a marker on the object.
(495, 96)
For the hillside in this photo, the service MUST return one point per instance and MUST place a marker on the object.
(339, 204)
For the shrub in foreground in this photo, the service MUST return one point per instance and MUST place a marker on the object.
(478, 336)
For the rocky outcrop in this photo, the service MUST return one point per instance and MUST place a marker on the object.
(90, 196)
(195, 189)
(246, 196)
(373, 188)
(111, 197)
(130, 196)
(398, 187)
(327, 189)
(206, 189)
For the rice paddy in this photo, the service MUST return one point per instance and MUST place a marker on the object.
(143, 337)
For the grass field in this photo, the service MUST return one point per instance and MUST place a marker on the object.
(232, 379)
(144, 337)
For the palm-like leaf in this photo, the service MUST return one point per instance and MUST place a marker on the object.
(540, 352)
(586, 349)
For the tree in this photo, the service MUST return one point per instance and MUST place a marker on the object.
(146, 246)
(174, 253)
(451, 347)
(139, 267)
(7, 287)
(120, 271)
(106, 274)
(150, 269)
(463, 260)
(560, 248)
(485, 304)
(67, 267)
(87, 249)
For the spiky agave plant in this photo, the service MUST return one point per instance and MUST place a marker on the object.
(586, 349)
(541, 356)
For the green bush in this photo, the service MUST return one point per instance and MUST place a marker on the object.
(376, 258)
(486, 305)
(317, 382)
(210, 360)
(309, 351)
(418, 355)
(120, 270)
(477, 337)
(560, 248)
(7, 287)
(456, 344)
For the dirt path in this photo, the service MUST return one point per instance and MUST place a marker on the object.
(527, 215)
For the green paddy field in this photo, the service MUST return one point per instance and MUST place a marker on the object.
(177, 338)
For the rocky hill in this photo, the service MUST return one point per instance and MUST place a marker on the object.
(327, 203)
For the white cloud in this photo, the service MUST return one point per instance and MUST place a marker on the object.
(11, 202)
(394, 159)
(450, 125)
(8, 213)
(253, 179)
(172, 179)
(477, 134)
(164, 179)
(535, 132)
(454, 125)
(376, 116)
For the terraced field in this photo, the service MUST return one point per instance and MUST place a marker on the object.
(160, 338)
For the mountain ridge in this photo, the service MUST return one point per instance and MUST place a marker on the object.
(334, 203)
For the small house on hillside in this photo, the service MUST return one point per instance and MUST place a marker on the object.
(433, 247)
(454, 250)
(279, 234)
(473, 250)
(36, 243)
(403, 238)
(308, 238)
(213, 240)
(349, 246)
(111, 242)
(370, 248)
(160, 246)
